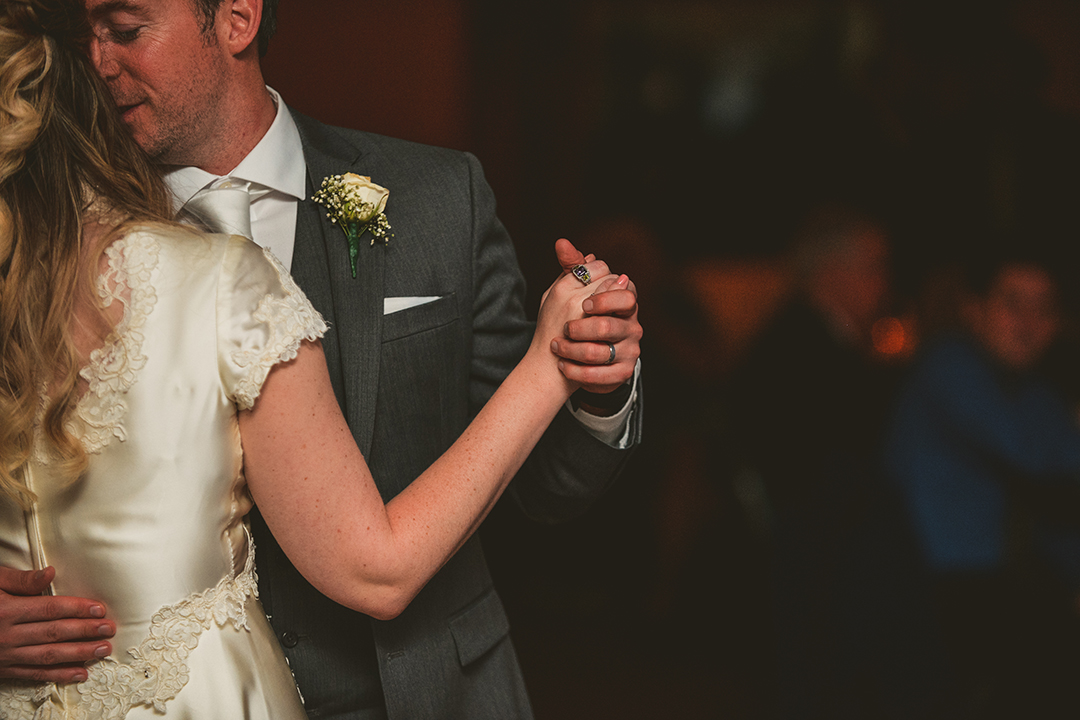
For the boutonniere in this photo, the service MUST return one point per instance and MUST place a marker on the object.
(355, 204)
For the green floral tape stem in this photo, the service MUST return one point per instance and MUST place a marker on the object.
(356, 205)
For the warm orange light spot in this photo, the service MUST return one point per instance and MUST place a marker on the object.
(889, 336)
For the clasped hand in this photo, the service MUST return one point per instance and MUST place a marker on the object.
(606, 312)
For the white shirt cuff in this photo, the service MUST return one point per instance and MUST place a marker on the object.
(612, 430)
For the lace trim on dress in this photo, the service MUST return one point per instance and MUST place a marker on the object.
(290, 320)
(159, 670)
(113, 368)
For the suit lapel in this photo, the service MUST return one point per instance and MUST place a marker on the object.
(321, 265)
(310, 269)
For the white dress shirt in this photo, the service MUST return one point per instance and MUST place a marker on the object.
(277, 162)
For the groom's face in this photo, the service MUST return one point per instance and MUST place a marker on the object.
(164, 72)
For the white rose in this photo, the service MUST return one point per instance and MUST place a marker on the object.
(366, 192)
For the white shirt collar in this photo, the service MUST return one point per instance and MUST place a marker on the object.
(277, 162)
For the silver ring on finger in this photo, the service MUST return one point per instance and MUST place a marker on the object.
(611, 353)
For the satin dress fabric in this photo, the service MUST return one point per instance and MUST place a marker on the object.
(155, 528)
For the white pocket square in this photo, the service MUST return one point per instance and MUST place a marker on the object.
(397, 304)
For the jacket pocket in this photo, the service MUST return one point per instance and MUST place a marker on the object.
(479, 627)
(421, 318)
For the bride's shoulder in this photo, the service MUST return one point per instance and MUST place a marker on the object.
(181, 245)
(179, 250)
(173, 235)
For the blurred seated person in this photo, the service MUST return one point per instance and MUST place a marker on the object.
(808, 408)
(987, 456)
(808, 386)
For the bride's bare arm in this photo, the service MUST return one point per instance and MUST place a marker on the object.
(315, 491)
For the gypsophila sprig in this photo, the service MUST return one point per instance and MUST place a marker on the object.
(356, 205)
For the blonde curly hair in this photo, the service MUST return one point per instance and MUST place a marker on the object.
(64, 153)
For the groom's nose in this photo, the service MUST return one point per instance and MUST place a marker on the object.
(103, 63)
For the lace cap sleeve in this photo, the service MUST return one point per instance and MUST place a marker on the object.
(262, 319)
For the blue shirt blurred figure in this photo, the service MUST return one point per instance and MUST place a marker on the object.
(987, 456)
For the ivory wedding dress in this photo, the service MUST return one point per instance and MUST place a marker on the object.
(155, 528)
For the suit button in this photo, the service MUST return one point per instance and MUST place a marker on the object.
(289, 639)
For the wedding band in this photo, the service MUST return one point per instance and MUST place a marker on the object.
(581, 273)
(611, 354)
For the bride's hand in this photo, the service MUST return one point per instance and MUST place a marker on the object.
(600, 351)
(561, 304)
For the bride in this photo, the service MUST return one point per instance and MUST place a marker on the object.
(155, 382)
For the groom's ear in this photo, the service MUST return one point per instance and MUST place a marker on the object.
(238, 25)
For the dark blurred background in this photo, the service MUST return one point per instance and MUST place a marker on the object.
(687, 142)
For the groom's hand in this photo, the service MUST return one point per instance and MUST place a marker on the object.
(612, 317)
(46, 638)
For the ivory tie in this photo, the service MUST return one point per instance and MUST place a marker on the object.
(224, 206)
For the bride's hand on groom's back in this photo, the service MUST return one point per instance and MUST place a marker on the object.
(48, 638)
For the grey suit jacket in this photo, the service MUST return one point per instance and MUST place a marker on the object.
(409, 383)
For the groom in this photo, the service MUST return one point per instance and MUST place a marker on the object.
(419, 340)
